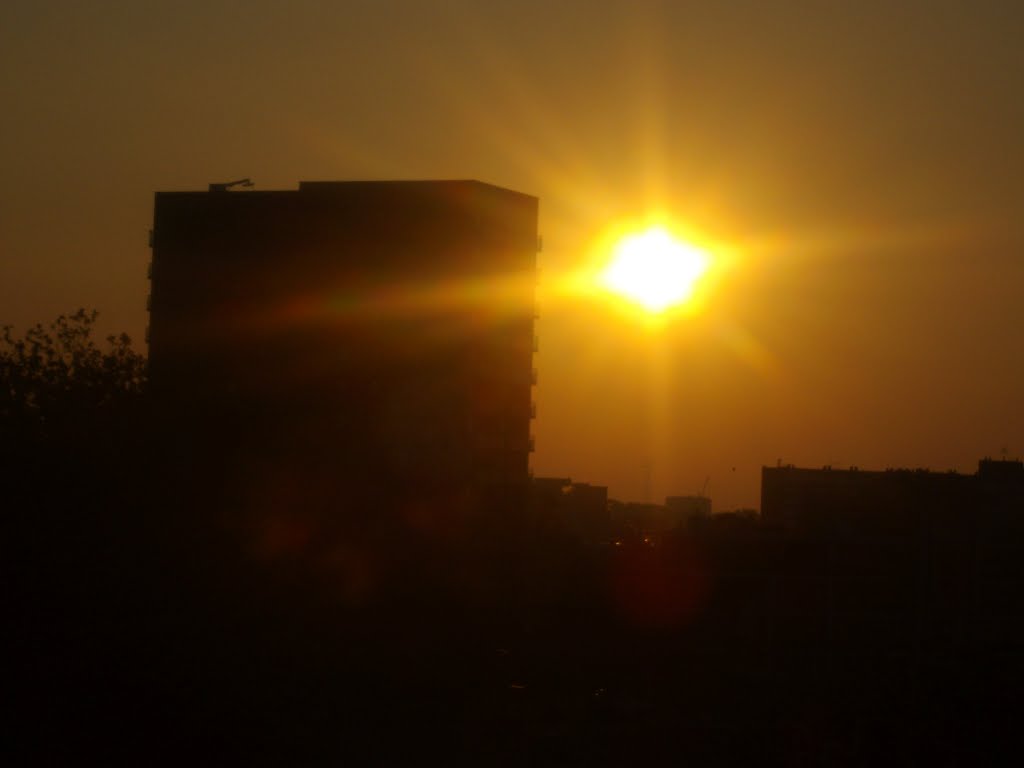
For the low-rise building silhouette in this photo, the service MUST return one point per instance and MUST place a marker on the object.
(799, 498)
(899, 560)
(580, 509)
(682, 509)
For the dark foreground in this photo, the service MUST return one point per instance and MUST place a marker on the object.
(138, 631)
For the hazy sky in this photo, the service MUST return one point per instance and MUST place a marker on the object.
(863, 161)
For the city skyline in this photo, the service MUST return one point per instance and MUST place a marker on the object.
(607, 382)
(861, 163)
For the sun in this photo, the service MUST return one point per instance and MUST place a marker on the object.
(654, 269)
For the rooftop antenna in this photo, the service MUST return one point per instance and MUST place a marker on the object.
(226, 185)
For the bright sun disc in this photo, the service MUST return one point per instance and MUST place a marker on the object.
(654, 269)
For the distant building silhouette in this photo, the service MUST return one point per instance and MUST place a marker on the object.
(900, 561)
(371, 337)
(682, 509)
(577, 508)
(799, 498)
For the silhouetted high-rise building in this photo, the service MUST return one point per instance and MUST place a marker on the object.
(375, 336)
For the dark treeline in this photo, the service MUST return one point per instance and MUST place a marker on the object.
(167, 602)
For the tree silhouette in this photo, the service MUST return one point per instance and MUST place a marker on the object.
(56, 379)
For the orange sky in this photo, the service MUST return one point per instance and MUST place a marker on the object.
(862, 162)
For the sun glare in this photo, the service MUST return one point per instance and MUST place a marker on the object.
(654, 269)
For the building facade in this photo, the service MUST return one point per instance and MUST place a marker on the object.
(800, 498)
(375, 337)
